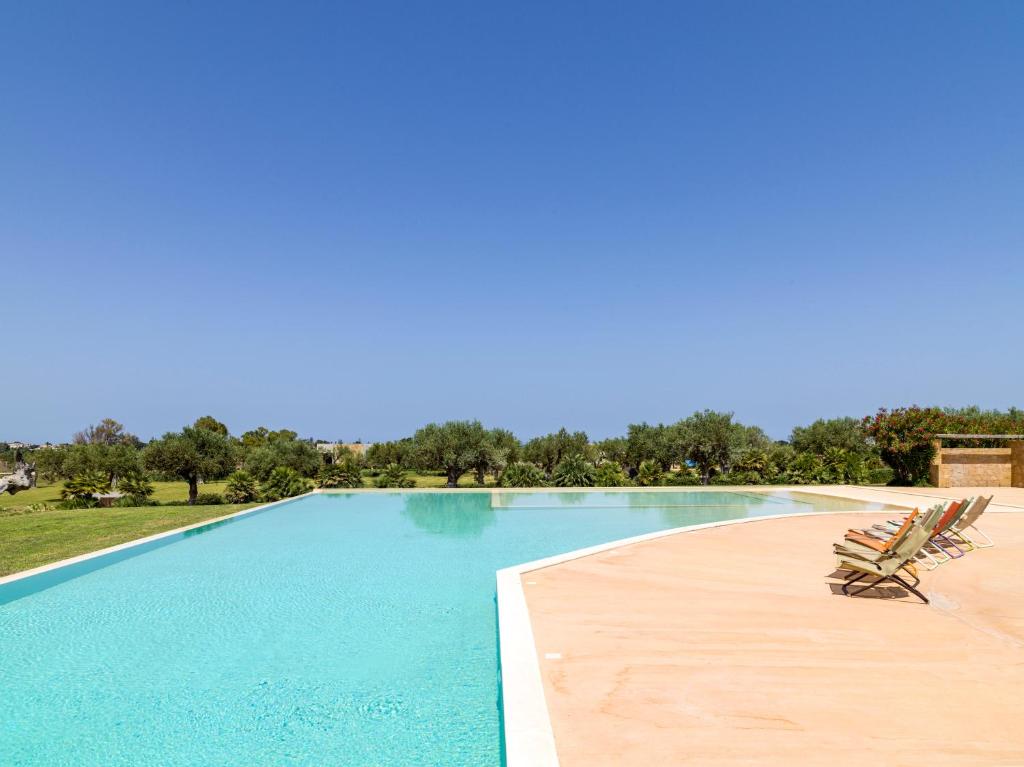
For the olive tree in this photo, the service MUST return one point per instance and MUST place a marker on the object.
(191, 454)
(660, 443)
(843, 433)
(499, 449)
(113, 460)
(453, 447)
(712, 440)
(549, 450)
(380, 455)
(296, 454)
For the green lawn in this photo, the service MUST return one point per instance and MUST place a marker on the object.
(33, 538)
(165, 492)
(29, 538)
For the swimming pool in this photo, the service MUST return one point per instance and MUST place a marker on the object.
(336, 629)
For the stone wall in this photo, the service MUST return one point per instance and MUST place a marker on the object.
(1017, 463)
(979, 466)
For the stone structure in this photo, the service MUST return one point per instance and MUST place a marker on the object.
(332, 451)
(978, 466)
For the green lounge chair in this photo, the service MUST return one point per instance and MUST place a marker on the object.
(861, 544)
(968, 520)
(935, 552)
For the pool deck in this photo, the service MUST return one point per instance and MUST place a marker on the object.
(731, 646)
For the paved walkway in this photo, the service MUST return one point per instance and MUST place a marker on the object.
(730, 646)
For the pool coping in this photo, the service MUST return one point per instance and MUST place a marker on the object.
(23, 574)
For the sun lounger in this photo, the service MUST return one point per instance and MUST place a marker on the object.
(937, 550)
(885, 566)
(967, 521)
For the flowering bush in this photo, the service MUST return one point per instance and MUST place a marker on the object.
(904, 439)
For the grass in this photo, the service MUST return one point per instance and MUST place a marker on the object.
(164, 492)
(32, 538)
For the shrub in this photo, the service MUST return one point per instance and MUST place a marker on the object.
(522, 474)
(904, 438)
(685, 477)
(394, 475)
(844, 467)
(648, 474)
(83, 486)
(736, 478)
(136, 491)
(806, 469)
(283, 482)
(574, 471)
(242, 488)
(209, 499)
(881, 475)
(610, 474)
(77, 503)
(343, 474)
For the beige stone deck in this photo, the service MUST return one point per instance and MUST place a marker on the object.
(729, 646)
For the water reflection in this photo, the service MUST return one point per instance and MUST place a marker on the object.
(457, 515)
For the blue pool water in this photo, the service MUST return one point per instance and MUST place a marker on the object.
(332, 630)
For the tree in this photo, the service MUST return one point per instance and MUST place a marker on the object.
(115, 460)
(106, 432)
(255, 438)
(507, 444)
(653, 443)
(904, 438)
(191, 454)
(286, 435)
(549, 450)
(614, 450)
(574, 471)
(379, 455)
(211, 423)
(842, 433)
(493, 453)
(50, 463)
(294, 453)
(746, 438)
(452, 447)
(709, 439)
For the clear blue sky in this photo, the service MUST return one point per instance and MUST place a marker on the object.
(353, 218)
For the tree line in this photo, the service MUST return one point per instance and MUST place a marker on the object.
(706, 447)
